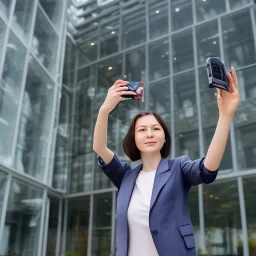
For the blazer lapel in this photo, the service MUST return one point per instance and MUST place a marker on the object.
(162, 174)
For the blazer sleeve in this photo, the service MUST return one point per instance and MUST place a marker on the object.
(195, 172)
(115, 170)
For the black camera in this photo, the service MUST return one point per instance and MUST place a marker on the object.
(217, 75)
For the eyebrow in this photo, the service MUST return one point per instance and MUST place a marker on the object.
(146, 126)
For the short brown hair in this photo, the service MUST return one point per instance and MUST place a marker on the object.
(129, 145)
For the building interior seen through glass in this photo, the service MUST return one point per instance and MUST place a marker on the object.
(58, 58)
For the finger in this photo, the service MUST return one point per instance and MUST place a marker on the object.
(120, 82)
(231, 83)
(121, 88)
(219, 93)
(126, 93)
(234, 76)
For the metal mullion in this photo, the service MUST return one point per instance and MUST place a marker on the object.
(146, 49)
(48, 19)
(200, 134)
(57, 248)
(45, 235)
(41, 232)
(53, 112)
(23, 85)
(5, 203)
(227, 6)
(90, 228)
(253, 20)
(64, 233)
(243, 216)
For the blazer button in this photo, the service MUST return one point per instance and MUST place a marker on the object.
(154, 231)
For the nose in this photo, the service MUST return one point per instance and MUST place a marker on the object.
(149, 134)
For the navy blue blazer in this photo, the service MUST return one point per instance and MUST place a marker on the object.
(169, 216)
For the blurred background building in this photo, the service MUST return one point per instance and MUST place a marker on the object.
(57, 61)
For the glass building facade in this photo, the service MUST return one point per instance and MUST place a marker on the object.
(57, 61)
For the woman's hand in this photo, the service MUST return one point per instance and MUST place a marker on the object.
(114, 95)
(229, 101)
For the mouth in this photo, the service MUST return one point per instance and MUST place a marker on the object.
(150, 143)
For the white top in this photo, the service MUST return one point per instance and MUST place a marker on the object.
(140, 239)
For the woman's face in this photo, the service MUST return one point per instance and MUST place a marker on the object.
(149, 134)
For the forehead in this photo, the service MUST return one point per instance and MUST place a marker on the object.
(146, 120)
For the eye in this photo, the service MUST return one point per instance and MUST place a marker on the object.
(157, 129)
(142, 130)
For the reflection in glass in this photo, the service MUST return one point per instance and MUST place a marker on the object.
(249, 198)
(101, 245)
(2, 35)
(207, 38)
(135, 65)
(238, 3)
(5, 7)
(134, 28)
(10, 87)
(109, 35)
(34, 127)
(222, 219)
(3, 180)
(53, 9)
(158, 18)
(159, 59)
(45, 43)
(77, 226)
(22, 18)
(23, 220)
(238, 42)
(52, 235)
(82, 153)
(185, 110)
(63, 141)
(181, 14)
(208, 9)
(182, 47)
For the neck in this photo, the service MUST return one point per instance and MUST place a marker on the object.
(150, 161)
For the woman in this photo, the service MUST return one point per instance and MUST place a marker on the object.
(152, 206)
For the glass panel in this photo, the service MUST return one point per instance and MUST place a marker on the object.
(210, 115)
(134, 27)
(3, 180)
(223, 232)
(238, 3)
(194, 213)
(23, 219)
(63, 142)
(77, 226)
(2, 35)
(45, 43)
(53, 227)
(89, 47)
(22, 19)
(109, 38)
(249, 198)
(182, 47)
(158, 18)
(207, 37)
(69, 64)
(159, 64)
(82, 153)
(53, 9)
(5, 7)
(135, 65)
(181, 14)
(239, 48)
(34, 128)
(10, 87)
(185, 115)
(101, 243)
(245, 119)
(208, 9)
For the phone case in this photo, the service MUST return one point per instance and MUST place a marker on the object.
(137, 87)
(217, 76)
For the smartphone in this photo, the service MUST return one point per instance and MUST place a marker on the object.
(137, 87)
(217, 75)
